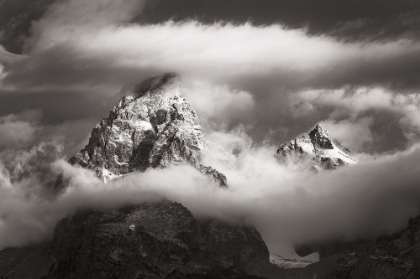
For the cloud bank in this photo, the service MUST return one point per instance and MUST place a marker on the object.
(286, 204)
(270, 63)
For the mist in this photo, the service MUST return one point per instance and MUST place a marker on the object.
(288, 204)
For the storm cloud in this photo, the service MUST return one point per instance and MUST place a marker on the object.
(271, 63)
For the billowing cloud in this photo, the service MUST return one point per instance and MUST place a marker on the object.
(66, 19)
(18, 129)
(352, 134)
(218, 51)
(286, 204)
(364, 101)
(218, 105)
(269, 63)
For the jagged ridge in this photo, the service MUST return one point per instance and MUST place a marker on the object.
(317, 145)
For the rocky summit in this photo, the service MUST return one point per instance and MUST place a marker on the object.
(318, 146)
(153, 127)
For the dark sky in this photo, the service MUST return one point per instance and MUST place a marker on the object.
(348, 19)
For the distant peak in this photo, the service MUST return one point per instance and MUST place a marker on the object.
(317, 144)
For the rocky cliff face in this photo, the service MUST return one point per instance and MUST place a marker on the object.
(390, 257)
(317, 146)
(156, 240)
(150, 240)
(397, 256)
(153, 127)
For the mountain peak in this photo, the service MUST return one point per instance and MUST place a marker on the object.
(320, 137)
(150, 128)
(319, 146)
(319, 129)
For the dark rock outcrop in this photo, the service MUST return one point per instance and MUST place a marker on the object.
(150, 240)
(159, 240)
(397, 256)
(154, 127)
(26, 263)
(392, 257)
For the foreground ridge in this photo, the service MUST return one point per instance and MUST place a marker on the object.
(152, 240)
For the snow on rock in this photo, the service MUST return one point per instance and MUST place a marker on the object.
(288, 263)
(318, 146)
(150, 128)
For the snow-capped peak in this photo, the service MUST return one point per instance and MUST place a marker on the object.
(318, 146)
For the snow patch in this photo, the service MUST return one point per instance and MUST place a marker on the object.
(297, 262)
(144, 125)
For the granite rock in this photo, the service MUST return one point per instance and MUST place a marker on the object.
(153, 127)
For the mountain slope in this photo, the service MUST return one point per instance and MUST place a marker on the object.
(149, 241)
(153, 127)
(395, 256)
(318, 146)
(153, 240)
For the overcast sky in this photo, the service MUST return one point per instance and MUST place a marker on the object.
(269, 69)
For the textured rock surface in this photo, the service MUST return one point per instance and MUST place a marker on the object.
(27, 263)
(151, 128)
(152, 240)
(397, 256)
(163, 240)
(160, 240)
(318, 146)
(392, 257)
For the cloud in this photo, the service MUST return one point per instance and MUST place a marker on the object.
(218, 105)
(7, 57)
(266, 64)
(341, 19)
(34, 163)
(352, 134)
(66, 19)
(354, 105)
(221, 51)
(18, 129)
(286, 204)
